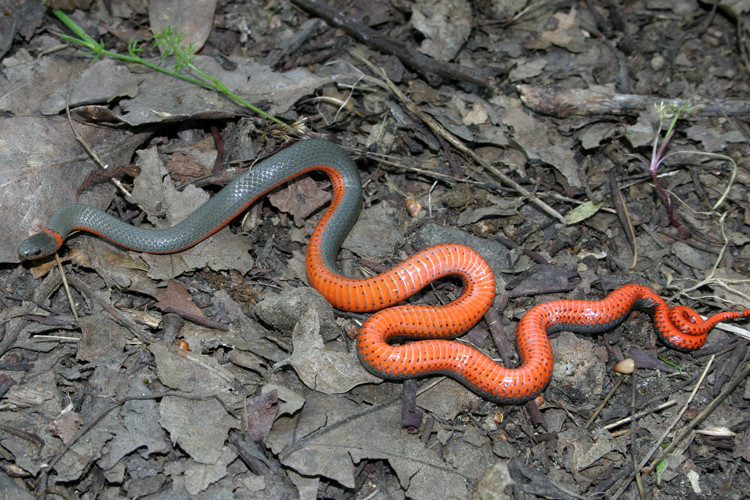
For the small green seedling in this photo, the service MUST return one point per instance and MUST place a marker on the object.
(665, 112)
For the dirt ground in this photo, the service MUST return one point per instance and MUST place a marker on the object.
(578, 146)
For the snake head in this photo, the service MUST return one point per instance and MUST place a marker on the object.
(40, 245)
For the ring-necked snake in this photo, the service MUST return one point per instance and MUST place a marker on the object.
(430, 327)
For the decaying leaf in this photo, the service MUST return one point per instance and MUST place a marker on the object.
(332, 435)
(582, 212)
(176, 298)
(261, 411)
(198, 427)
(540, 140)
(199, 476)
(300, 198)
(66, 425)
(323, 367)
(446, 25)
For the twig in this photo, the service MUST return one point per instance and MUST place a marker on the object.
(563, 103)
(702, 415)
(42, 484)
(432, 70)
(624, 216)
(65, 285)
(189, 356)
(669, 428)
(27, 436)
(448, 179)
(438, 128)
(90, 151)
(634, 434)
(603, 404)
(638, 415)
(41, 293)
(116, 315)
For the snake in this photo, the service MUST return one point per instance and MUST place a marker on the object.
(399, 341)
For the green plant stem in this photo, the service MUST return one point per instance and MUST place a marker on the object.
(212, 83)
(138, 60)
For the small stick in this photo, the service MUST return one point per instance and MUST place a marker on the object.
(661, 439)
(603, 404)
(431, 69)
(563, 103)
(65, 284)
(439, 129)
(623, 215)
(638, 415)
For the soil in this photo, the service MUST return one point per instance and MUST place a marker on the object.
(577, 146)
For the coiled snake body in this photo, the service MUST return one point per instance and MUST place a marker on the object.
(430, 328)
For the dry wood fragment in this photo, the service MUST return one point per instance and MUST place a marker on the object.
(432, 70)
(562, 103)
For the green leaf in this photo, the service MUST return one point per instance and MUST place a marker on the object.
(582, 212)
(661, 466)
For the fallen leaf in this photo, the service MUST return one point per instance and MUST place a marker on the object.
(300, 198)
(290, 402)
(66, 425)
(582, 212)
(322, 367)
(742, 446)
(200, 428)
(33, 190)
(176, 299)
(194, 23)
(332, 435)
(566, 34)
(101, 336)
(199, 476)
(540, 140)
(155, 192)
(446, 25)
(261, 411)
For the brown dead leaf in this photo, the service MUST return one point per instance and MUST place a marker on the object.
(301, 197)
(742, 446)
(566, 34)
(200, 428)
(189, 372)
(322, 367)
(261, 411)
(101, 336)
(184, 167)
(710, 138)
(100, 176)
(289, 402)
(115, 265)
(176, 299)
(66, 425)
(196, 22)
(33, 190)
(541, 141)
(332, 434)
(585, 450)
(446, 25)
(200, 476)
